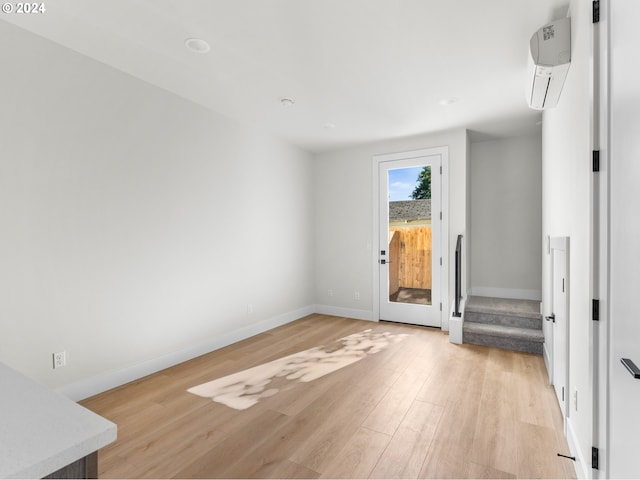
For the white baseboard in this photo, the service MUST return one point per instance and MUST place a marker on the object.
(514, 293)
(100, 383)
(582, 471)
(547, 360)
(345, 312)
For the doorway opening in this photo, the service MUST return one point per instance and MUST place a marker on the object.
(409, 236)
(558, 322)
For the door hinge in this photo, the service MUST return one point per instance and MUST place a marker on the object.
(595, 11)
(440, 306)
(563, 394)
(595, 310)
(440, 215)
(440, 261)
(595, 161)
(440, 169)
(595, 457)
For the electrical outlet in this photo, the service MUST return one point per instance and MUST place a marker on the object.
(59, 359)
(249, 309)
(356, 295)
(330, 293)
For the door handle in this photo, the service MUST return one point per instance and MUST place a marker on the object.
(385, 262)
(629, 365)
(551, 317)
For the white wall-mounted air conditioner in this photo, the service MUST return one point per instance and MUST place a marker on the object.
(549, 60)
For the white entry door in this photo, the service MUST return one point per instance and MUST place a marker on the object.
(560, 286)
(410, 240)
(624, 237)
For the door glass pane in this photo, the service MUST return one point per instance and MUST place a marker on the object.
(409, 223)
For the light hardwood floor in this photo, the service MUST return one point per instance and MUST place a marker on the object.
(422, 408)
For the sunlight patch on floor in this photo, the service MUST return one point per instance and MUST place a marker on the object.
(244, 389)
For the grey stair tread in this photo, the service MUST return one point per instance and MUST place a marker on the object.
(504, 323)
(530, 334)
(502, 319)
(507, 343)
(504, 306)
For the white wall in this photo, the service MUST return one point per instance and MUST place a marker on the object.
(506, 217)
(566, 207)
(344, 216)
(136, 224)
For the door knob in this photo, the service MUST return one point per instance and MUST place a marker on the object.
(629, 365)
(551, 317)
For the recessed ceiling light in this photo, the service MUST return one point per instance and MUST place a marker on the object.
(287, 102)
(197, 45)
(329, 125)
(449, 101)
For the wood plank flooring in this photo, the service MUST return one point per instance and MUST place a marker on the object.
(421, 408)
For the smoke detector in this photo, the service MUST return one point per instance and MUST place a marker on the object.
(197, 45)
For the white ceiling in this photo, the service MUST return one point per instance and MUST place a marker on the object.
(376, 69)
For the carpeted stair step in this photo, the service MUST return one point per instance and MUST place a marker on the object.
(512, 338)
(503, 311)
(506, 320)
(503, 323)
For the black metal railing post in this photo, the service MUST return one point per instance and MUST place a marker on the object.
(458, 282)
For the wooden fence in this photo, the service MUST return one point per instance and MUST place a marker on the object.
(410, 257)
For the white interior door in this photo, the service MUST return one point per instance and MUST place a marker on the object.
(624, 237)
(410, 240)
(560, 289)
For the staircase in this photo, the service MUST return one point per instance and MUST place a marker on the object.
(503, 323)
